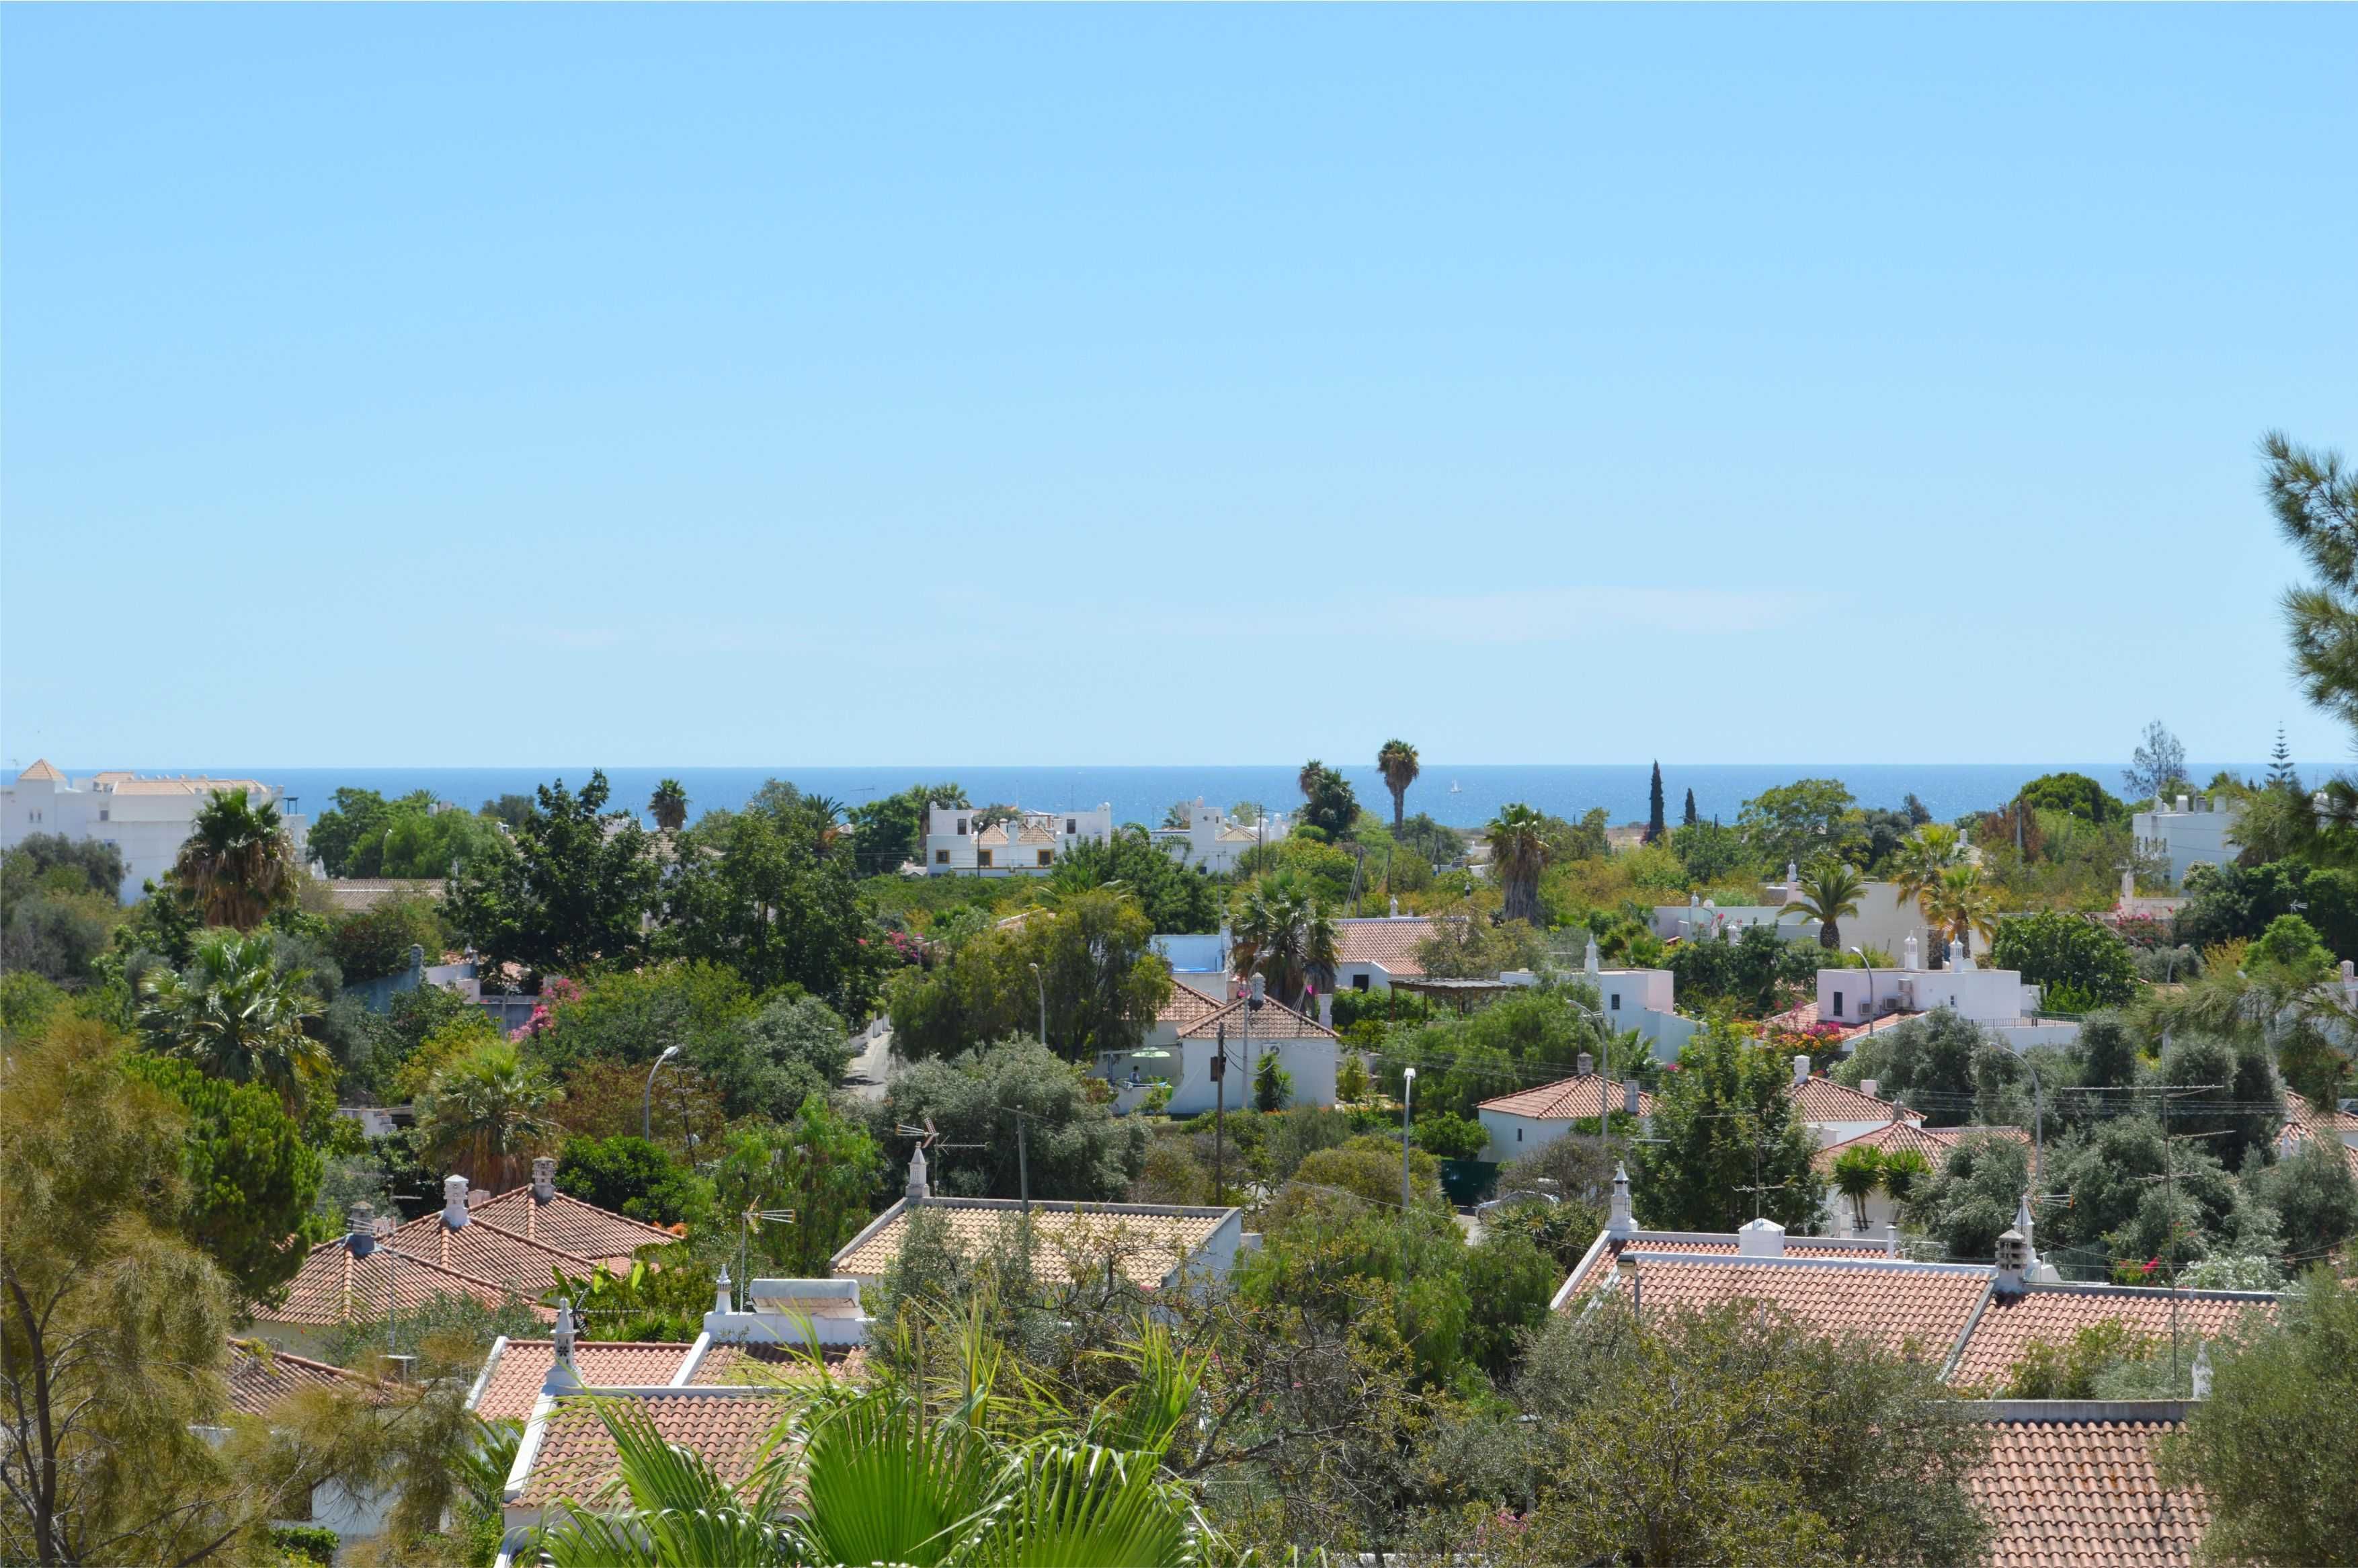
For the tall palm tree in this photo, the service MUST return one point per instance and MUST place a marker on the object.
(1397, 761)
(1857, 1172)
(948, 1472)
(1827, 892)
(1963, 906)
(1519, 849)
(668, 806)
(236, 1016)
(487, 1113)
(1917, 865)
(237, 861)
(1282, 932)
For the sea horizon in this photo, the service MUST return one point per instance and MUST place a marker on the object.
(1457, 795)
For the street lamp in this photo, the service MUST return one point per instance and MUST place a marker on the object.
(1408, 1095)
(1041, 982)
(1870, 983)
(648, 1101)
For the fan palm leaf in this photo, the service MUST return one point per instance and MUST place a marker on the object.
(238, 862)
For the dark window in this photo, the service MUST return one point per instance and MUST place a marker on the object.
(1072, 824)
(1045, 857)
(1519, 1137)
(941, 857)
(1616, 1001)
(1358, 983)
(1837, 1004)
(961, 825)
(983, 857)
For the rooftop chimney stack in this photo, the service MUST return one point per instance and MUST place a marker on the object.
(1868, 1085)
(1617, 1220)
(1760, 1238)
(360, 1231)
(1584, 1063)
(1588, 957)
(544, 1179)
(1892, 1238)
(917, 1191)
(1910, 953)
(454, 1202)
(2013, 1264)
(1800, 1069)
(721, 1301)
(2202, 1369)
(561, 1370)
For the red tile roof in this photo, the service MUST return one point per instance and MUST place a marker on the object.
(1919, 1307)
(262, 1379)
(758, 1364)
(2053, 1313)
(513, 1381)
(1823, 1099)
(1567, 1099)
(1390, 941)
(1185, 1006)
(564, 1222)
(725, 1427)
(2083, 1494)
(491, 1252)
(1273, 1022)
(1933, 1142)
(1147, 1241)
(2306, 1123)
(332, 1286)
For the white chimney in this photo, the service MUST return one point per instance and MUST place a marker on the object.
(2013, 1264)
(722, 1302)
(1892, 1238)
(1395, 909)
(2202, 1369)
(1908, 954)
(544, 1179)
(1800, 1069)
(360, 1231)
(2183, 803)
(1588, 958)
(562, 1373)
(1617, 1221)
(1582, 1064)
(454, 1202)
(1760, 1238)
(917, 1192)
(1868, 1085)
(1327, 1011)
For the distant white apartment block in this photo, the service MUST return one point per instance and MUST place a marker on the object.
(147, 818)
(2190, 831)
(1214, 840)
(1027, 844)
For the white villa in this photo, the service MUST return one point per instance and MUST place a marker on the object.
(1997, 999)
(147, 818)
(1190, 1031)
(1630, 999)
(2192, 831)
(1213, 841)
(1028, 844)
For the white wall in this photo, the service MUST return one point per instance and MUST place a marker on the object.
(2190, 833)
(951, 830)
(147, 827)
(1311, 1062)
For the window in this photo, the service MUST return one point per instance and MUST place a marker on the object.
(1358, 983)
(1047, 856)
(102, 813)
(961, 827)
(941, 857)
(1519, 1137)
(983, 857)
(1837, 1004)
(1616, 1001)
(1072, 824)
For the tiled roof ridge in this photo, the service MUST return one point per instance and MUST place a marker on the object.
(1863, 1243)
(1294, 1017)
(2077, 1412)
(1878, 1262)
(444, 1233)
(2144, 1292)
(1085, 1205)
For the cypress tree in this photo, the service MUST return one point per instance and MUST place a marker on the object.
(1692, 816)
(1654, 828)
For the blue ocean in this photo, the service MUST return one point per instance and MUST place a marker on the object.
(1458, 796)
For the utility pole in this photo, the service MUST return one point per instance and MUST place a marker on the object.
(1219, 1106)
(1408, 1096)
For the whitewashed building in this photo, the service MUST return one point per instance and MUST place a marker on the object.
(2192, 830)
(1997, 999)
(147, 818)
(1027, 844)
(1189, 1031)
(1215, 841)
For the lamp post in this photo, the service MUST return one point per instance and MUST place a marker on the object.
(1407, 1096)
(648, 1101)
(1870, 983)
(1041, 981)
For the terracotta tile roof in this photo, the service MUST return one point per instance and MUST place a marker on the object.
(1716, 1246)
(758, 1364)
(262, 1379)
(489, 1252)
(513, 1381)
(2306, 1123)
(1388, 940)
(1921, 1308)
(1147, 1242)
(1933, 1142)
(1823, 1099)
(41, 769)
(1567, 1099)
(1273, 1022)
(582, 1228)
(2083, 1494)
(1185, 1007)
(332, 1286)
(725, 1427)
(2053, 1313)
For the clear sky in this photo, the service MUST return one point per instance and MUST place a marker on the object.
(743, 386)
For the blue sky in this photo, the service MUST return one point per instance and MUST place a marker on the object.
(823, 385)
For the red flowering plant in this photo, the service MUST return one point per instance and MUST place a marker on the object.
(2147, 931)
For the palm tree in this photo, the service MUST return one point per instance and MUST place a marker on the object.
(236, 1016)
(1903, 1170)
(1519, 849)
(946, 1472)
(1397, 761)
(1917, 866)
(1857, 1172)
(237, 862)
(1961, 905)
(1282, 932)
(1307, 779)
(668, 806)
(487, 1113)
(1827, 892)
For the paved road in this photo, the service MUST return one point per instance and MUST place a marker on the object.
(869, 1069)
